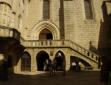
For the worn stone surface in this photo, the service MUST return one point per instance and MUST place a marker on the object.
(71, 78)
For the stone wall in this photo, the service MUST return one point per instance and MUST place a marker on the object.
(76, 27)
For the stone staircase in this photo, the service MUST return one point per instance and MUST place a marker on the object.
(61, 44)
(13, 33)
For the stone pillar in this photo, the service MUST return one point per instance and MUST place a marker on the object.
(17, 68)
(67, 62)
(52, 57)
(33, 60)
(51, 54)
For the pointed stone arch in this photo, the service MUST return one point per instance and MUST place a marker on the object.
(80, 62)
(41, 58)
(60, 61)
(8, 3)
(45, 25)
(26, 62)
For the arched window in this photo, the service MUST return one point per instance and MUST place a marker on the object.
(46, 9)
(5, 10)
(88, 9)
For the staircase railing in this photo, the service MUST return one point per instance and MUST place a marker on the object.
(61, 43)
(10, 32)
(87, 53)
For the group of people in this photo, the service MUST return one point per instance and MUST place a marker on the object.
(54, 65)
(75, 66)
(50, 66)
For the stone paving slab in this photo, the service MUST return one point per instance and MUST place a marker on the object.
(71, 78)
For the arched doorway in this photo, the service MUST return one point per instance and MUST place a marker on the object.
(60, 59)
(45, 25)
(41, 59)
(45, 34)
(26, 62)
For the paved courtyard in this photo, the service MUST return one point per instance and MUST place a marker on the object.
(71, 78)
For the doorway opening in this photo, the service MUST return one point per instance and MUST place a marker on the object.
(80, 63)
(10, 65)
(45, 34)
(41, 59)
(26, 62)
(60, 59)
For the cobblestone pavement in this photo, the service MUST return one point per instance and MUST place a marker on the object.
(71, 78)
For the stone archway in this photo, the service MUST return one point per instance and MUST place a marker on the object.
(26, 62)
(49, 26)
(41, 58)
(80, 62)
(60, 59)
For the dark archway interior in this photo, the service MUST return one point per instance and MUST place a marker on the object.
(77, 60)
(41, 59)
(10, 65)
(26, 62)
(60, 59)
(45, 34)
(9, 61)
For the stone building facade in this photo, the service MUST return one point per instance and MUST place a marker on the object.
(49, 27)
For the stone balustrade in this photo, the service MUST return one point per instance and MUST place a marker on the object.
(9, 32)
(63, 44)
(89, 54)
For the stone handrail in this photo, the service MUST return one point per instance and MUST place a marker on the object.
(89, 54)
(13, 33)
(61, 43)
